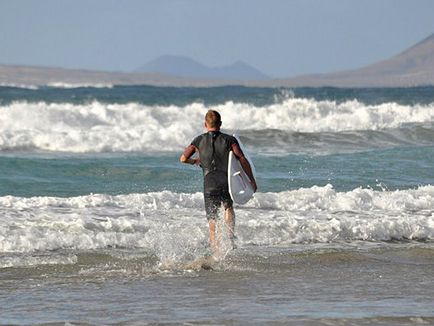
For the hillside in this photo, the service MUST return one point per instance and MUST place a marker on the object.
(189, 68)
(412, 67)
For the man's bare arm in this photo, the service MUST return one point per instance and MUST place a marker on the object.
(244, 164)
(186, 156)
(193, 161)
(248, 169)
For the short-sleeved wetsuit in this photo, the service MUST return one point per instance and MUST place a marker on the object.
(213, 148)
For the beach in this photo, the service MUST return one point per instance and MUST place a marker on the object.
(101, 225)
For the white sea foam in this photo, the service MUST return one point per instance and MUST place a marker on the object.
(78, 85)
(57, 85)
(25, 86)
(171, 224)
(100, 127)
(31, 260)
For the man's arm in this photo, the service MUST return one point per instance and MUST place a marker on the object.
(188, 153)
(244, 164)
(248, 169)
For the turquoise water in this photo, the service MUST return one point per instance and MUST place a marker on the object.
(182, 96)
(101, 224)
(28, 175)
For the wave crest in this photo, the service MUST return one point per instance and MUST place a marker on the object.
(166, 222)
(133, 127)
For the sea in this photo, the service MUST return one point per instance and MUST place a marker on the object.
(100, 224)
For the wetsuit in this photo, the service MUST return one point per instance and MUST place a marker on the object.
(213, 148)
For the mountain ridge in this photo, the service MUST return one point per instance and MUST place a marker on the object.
(412, 67)
(186, 67)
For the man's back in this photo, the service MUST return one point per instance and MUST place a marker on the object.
(214, 148)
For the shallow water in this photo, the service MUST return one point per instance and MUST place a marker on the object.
(364, 284)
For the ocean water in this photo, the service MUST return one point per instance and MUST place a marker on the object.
(100, 223)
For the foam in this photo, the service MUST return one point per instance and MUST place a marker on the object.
(24, 86)
(78, 85)
(173, 224)
(33, 260)
(134, 127)
(360, 199)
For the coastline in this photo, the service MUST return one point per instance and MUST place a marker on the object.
(34, 76)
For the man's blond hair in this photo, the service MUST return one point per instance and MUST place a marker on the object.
(213, 119)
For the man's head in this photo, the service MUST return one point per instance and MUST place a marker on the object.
(213, 120)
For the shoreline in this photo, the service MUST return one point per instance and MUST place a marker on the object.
(386, 286)
(35, 76)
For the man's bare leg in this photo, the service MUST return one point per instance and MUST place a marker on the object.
(212, 237)
(230, 224)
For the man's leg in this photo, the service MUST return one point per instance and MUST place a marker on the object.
(211, 208)
(212, 237)
(230, 223)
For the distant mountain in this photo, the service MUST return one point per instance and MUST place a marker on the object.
(413, 67)
(189, 68)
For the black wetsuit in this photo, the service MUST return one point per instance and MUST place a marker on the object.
(213, 148)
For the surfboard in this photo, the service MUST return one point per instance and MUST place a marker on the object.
(240, 188)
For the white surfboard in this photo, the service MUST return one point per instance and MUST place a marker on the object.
(240, 188)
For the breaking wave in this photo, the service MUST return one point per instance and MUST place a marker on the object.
(79, 85)
(170, 223)
(133, 127)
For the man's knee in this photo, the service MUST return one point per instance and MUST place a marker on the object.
(227, 205)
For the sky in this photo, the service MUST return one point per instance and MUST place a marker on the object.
(282, 38)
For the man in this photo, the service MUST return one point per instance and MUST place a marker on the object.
(213, 149)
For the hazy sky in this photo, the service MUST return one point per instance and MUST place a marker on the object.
(280, 37)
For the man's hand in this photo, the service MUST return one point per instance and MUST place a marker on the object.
(192, 161)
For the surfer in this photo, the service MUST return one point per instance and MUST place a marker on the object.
(213, 149)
